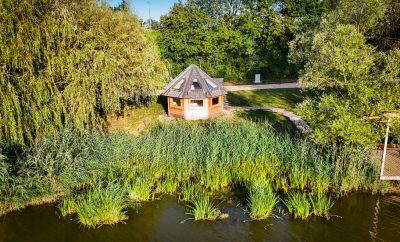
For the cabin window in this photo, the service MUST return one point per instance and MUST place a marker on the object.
(211, 84)
(176, 102)
(215, 101)
(196, 103)
(195, 85)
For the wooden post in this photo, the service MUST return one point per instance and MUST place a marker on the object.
(384, 150)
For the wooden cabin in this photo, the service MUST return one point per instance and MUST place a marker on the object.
(195, 95)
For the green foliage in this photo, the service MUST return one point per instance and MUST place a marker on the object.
(363, 14)
(203, 208)
(215, 155)
(298, 205)
(232, 39)
(320, 205)
(69, 64)
(358, 85)
(262, 201)
(140, 190)
(189, 191)
(101, 206)
(67, 206)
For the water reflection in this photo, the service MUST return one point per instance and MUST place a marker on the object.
(358, 217)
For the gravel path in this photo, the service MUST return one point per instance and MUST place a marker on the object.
(262, 87)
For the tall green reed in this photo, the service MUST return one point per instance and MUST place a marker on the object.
(261, 202)
(298, 205)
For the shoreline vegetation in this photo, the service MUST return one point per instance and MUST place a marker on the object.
(98, 178)
(71, 70)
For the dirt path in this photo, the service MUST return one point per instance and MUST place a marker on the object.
(261, 87)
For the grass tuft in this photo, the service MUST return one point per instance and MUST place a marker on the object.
(298, 205)
(102, 206)
(67, 206)
(203, 208)
(140, 190)
(321, 204)
(262, 201)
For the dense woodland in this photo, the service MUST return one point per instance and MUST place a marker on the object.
(234, 39)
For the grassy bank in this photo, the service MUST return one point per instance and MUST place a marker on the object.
(101, 173)
(280, 98)
(263, 81)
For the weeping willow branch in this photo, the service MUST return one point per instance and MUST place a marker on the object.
(69, 63)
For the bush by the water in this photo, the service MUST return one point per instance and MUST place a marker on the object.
(212, 155)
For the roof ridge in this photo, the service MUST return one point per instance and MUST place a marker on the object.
(188, 76)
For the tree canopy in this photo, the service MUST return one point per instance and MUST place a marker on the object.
(233, 39)
(69, 63)
(355, 72)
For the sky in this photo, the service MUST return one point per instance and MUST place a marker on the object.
(141, 7)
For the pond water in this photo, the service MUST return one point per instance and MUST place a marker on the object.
(358, 217)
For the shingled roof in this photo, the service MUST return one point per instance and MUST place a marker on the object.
(194, 83)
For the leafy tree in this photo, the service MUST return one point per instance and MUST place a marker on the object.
(363, 14)
(69, 63)
(358, 85)
(233, 38)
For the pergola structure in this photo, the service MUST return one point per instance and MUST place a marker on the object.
(195, 95)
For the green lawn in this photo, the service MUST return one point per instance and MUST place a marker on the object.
(278, 122)
(137, 119)
(263, 81)
(279, 98)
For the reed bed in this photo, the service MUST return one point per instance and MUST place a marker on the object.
(209, 155)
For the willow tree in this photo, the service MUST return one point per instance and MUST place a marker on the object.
(69, 63)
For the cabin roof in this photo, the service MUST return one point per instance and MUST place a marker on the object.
(194, 83)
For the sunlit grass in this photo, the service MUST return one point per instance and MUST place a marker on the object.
(261, 202)
(140, 190)
(298, 205)
(189, 191)
(203, 208)
(215, 155)
(321, 204)
(101, 206)
(279, 98)
(67, 206)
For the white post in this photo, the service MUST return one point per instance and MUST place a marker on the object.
(384, 150)
(257, 78)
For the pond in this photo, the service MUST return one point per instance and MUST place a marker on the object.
(357, 217)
